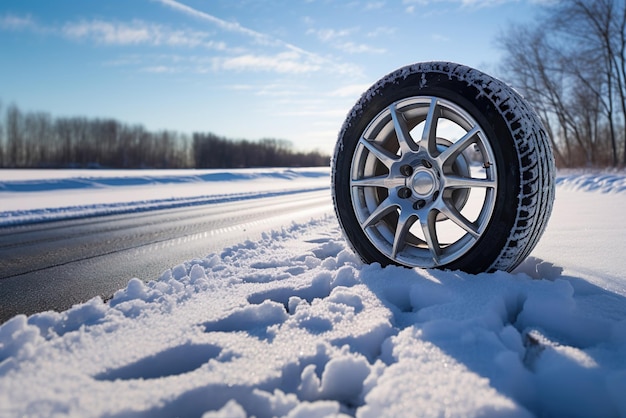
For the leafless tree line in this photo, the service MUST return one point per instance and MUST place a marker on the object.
(571, 65)
(212, 151)
(37, 140)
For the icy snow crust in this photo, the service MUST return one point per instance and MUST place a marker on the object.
(295, 325)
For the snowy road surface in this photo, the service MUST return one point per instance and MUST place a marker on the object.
(55, 265)
(292, 324)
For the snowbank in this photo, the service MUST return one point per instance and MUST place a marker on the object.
(601, 182)
(28, 196)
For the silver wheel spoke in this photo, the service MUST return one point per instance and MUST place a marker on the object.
(457, 182)
(383, 155)
(451, 153)
(456, 217)
(429, 135)
(402, 131)
(430, 233)
(378, 181)
(402, 229)
(384, 208)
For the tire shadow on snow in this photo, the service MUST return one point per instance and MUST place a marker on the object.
(552, 343)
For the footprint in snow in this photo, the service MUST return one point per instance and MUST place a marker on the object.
(171, 362)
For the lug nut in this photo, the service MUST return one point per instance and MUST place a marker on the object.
(419, 204)
(404, 193)
(406, 170)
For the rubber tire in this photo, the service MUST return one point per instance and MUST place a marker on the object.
(524, 160)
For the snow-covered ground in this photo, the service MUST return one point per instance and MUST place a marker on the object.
(39, 195)
(295, 325)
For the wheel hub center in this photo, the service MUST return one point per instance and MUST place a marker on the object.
(424, 183)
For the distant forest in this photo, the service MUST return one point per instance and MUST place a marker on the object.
(38, 140)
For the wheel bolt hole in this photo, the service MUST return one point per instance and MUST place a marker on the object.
(404, 193)
(435, 195)
(427, 164)
(419, 204)
(406, 170)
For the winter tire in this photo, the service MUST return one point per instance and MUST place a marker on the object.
(439, 165)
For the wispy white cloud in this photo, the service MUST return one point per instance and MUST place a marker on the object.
(222, 24)
(110, 33)
(258, 37)
(13, 22)
(423, 2)
(356, 48)
(320, 112)
(138, 32)
(284, 62)
(277, 56)
(350, 90)
(134, 32)
(482, 3)
(329, 35)
(242, 87)
(374, 5)
(282, 90)
(339, 39)
(160, 69)
(413, 5)
(439, 38)
(381, 31)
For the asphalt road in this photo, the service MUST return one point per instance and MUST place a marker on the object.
(54, 265)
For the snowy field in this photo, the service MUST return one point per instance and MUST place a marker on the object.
(295, 325)
(39, 195)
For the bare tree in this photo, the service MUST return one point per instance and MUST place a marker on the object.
(15, 137)
(590, 31)
(63, 136)
(38, 139)
(571, 66)
(530, 65)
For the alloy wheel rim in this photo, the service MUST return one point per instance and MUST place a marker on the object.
(423, 181)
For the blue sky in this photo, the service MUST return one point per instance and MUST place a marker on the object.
(286, 69)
